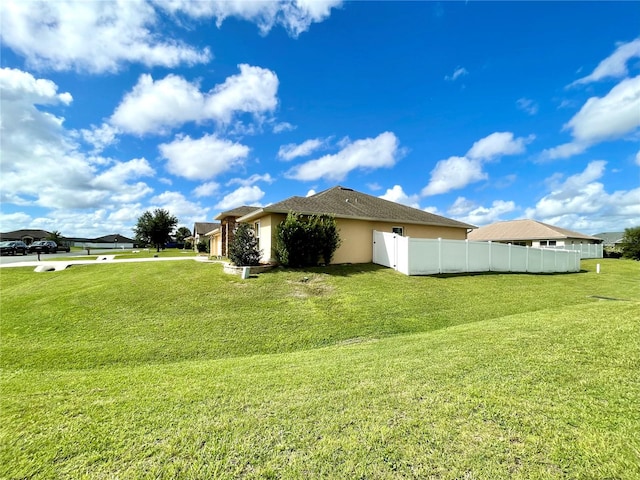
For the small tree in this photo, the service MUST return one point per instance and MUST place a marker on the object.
(155, 228)
(631, 243)
(56, 236)
(182, 233)
(243, 249)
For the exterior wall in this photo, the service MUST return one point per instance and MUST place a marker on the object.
(267, 242)
(215, 245)
(356, 237)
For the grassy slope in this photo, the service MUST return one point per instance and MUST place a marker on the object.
(143, 371)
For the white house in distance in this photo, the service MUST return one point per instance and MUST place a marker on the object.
(532, 233)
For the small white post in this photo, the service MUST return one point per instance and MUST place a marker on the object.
(597, 268)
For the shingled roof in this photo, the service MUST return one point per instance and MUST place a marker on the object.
(237, 212)
(342, 202)
(525, 229)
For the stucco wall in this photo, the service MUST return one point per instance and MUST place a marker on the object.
(356, 236)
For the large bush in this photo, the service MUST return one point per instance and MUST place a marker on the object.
(306, 240)
(631, 243)
(243, 249)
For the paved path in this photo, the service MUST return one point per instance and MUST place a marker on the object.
(54, 265)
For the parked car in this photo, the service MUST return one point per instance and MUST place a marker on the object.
(46, 246)
(13, 248)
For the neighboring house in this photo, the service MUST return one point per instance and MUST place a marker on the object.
(200, 230)
(222, 235)
(25, 235)
(357, 216)
(611, 239)
(108, 241)
(531, 233)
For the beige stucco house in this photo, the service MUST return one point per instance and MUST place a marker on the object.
(222, 234)
(531, 233)
(357, 216)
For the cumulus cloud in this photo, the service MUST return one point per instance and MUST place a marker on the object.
(638, 158)
(283, 127)
(467, 211)
(95, 37)
(454, 173)
(602, 118)
(306, 148)
(457, 73)
(366, 154)
(615, 65)
(398, 195)
(295, 16)
(246, 195)
(255, 178)
(458, 172)
(65, 177)
(498, 144)
(581, 202)
(157, 106)
(187, 211)
(206, 189)
(202, 158)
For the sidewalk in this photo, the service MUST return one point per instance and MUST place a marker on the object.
(54, 265)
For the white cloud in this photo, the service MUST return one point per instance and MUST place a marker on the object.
(527, 105)
(206, 189)
(615, 65)
(202, 158)
(99, 137)
(638, 158)
(468, 212)
(458, 72)
(255, 178)
(242, 196)
(94, 36)
(582, 202)
(295, 16)
(453, 173)
(498, 144)
(368, 153)
(602, 118)
(63, 175)
(157, 106)
(291, 151)
(283, 127)
(458, 172)
(397, 194)
(175, 202)
(311, 193)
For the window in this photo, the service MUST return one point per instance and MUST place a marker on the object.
(398, 231)
(256, 229)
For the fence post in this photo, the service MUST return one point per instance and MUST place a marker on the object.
(467, 255)
(526, 263)
(490, 256)
(509, 256)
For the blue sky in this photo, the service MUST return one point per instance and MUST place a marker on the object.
(478, 111)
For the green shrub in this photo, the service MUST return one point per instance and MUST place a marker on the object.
(203, 246)
(631, 243)
(305, 240)
(243, 249)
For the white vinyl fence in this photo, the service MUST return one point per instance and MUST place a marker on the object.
(421, 256)
(587, 250)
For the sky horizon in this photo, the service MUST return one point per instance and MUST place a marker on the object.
(476, 111)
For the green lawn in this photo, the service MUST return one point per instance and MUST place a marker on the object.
(176, 370)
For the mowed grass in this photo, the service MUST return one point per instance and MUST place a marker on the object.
(176, 370)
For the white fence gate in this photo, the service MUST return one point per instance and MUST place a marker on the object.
(421, 256)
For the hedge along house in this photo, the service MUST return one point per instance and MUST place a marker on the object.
(222, 235)
(357, 216)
